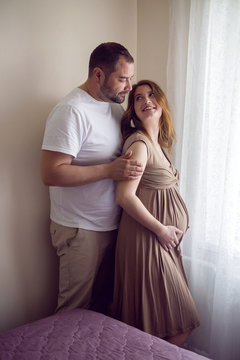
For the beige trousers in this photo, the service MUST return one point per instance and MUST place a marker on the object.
(86, 267)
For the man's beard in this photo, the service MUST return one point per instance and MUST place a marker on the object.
(107, 94)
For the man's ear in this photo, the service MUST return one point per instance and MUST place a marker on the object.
(98, 75)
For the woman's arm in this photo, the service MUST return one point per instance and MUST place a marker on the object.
(127, 199)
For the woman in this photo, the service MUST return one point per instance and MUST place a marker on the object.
(151, 291)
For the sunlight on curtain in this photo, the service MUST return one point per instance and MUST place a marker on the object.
(210, 168)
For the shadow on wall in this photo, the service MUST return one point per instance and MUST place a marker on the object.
(29, 265)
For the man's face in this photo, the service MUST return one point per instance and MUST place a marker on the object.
(118, 83)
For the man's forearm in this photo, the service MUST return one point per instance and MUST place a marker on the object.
(57, 170)
(74, 175)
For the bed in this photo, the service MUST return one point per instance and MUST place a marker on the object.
(83, 334)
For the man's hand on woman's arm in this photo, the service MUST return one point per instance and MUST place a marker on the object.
(57, 170)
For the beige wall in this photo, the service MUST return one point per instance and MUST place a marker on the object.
(152, 40)
(45, 47)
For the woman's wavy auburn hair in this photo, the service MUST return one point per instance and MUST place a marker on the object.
(130, 123)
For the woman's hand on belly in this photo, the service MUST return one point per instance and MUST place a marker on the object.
(168, 237)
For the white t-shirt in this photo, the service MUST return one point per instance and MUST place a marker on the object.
(89, 130)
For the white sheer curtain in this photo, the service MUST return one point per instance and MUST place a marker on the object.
(204, 92)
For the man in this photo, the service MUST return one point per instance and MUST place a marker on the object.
(80, 162)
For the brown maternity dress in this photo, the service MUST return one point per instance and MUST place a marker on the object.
(151, 291)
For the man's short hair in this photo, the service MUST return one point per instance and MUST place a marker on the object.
(106, 56)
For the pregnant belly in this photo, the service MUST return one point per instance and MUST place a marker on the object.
(167, 206)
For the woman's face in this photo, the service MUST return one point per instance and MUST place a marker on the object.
(145, 103)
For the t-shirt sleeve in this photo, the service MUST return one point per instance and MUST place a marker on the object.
(65, 131)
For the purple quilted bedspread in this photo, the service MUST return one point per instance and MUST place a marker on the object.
(81, 335)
